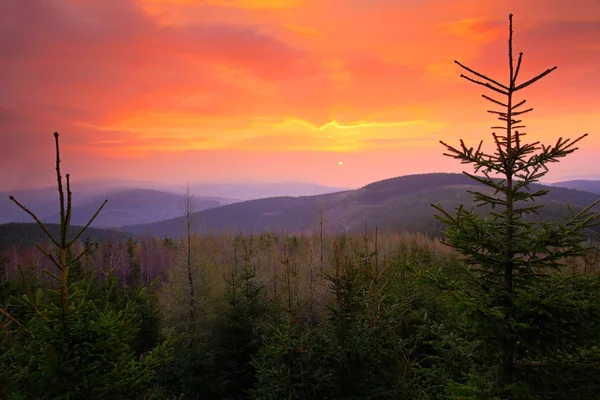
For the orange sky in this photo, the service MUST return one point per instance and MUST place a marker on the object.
(280, 90)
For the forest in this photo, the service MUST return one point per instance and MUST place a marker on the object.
(500, 305)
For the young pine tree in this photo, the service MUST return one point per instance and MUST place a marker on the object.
(70, 341)
(237, 330)
(281, 362)
(508, 256)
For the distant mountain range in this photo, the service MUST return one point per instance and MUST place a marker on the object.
(580, 184)
(128, 206)
(26, 235)
(141, 204)
(402, 203)
(258, 190)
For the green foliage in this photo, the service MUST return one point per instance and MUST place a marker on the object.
(66, 338)
(237, 337)
(135, 272)
(362, 353)
(559, 336)
(281, 361)
(361, 350)
(520, 314)
(94, 358)
(213, 361)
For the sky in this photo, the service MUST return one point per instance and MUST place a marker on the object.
(336, 92)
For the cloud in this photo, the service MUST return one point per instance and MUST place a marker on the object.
(257, 4)
(241, 4)
(129, 82)
(477, 29)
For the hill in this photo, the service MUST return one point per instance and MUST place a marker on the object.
(401, 203)
(28, 234)
(136, 203)
(259, 190)
(580, 184)
(125, 206)
(135, 206)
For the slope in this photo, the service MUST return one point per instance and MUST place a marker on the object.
(125, 206)
(25, 235)
(401, 203)
(580, 184)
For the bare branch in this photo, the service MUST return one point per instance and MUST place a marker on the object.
(40, 223)
(50, 257)
(482, 76)
(88, 224)
(514, 79)
(487, 85)
(522, 112)
(537, 78)
(519, 104)
(494, 101)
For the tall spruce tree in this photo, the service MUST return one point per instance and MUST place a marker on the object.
(508, 255)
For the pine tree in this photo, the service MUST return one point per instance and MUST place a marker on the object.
(285, 352)
(237, 331)
(72, 342)
(134, 275)
(508, 255)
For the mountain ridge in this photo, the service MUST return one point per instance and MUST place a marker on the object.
(394, 203)
(130, 205)
(587, 185)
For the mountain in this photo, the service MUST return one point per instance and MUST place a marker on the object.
(28, 234)
(402, 203)
(141, 202)
(241, 190)
(259, 190)
(580, 184)
(125, 206)
(40, 201)
(134, 206)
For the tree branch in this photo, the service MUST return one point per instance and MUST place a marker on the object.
(487, 85)
(537, 78)
(40, 223)
(88, 224)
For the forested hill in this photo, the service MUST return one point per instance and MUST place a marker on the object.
(402, 203)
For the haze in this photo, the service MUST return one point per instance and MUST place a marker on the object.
(336, 92)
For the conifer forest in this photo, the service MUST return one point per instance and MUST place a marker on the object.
(499, 305)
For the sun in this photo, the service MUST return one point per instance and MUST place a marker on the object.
(340, 163)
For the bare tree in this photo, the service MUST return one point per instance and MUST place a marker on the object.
(189, 208)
